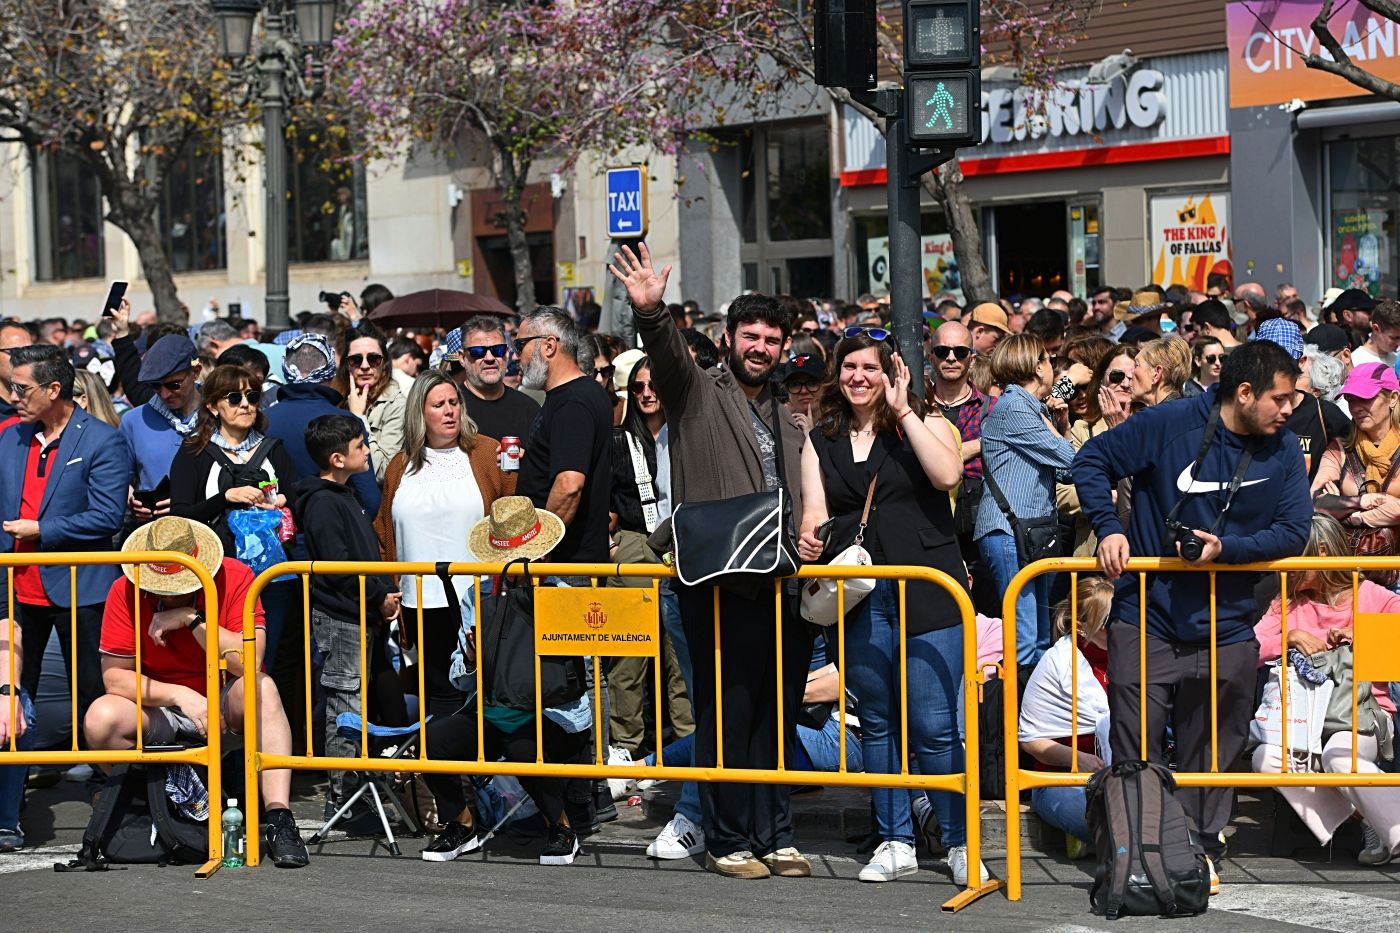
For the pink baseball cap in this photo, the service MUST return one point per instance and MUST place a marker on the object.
(1368, 379)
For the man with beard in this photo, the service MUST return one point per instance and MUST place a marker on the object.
(724, 444)
(498, 410)
(567, 467)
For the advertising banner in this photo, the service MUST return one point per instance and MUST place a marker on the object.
(940, 265)
(1190, 238)
(1268, 39)
(1360, 250)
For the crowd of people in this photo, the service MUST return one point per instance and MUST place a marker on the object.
(1228, 426)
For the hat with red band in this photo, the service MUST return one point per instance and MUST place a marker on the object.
(515, 529)
(178, 535)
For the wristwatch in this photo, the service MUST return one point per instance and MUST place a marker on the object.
(197, 620)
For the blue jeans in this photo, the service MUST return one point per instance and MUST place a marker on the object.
(689, 803)
(1063, 808)
(12, 776)
(280, 602)
(934, 682)
(1032, 606)
(817, 745)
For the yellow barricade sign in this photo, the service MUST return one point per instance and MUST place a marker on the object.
(608, 621)
(1379, 659)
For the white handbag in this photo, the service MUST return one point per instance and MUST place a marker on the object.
(1307, 712)
(819, 596)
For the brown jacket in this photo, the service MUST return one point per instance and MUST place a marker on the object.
(714, 453)
(489, 479)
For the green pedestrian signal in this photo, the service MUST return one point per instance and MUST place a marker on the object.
(944, 108)
(942, 103)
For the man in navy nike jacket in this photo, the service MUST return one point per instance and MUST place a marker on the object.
(1267, 518)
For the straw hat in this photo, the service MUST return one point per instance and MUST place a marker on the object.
(183, 536)
(1142, 303)
(515, 529)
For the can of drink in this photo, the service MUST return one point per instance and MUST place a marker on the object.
(509, 454)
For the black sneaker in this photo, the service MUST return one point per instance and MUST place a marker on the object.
(282, 840)
(560, 846)
(453, 841)
(604, 810)
(359, 820)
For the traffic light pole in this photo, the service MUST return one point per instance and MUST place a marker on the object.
(904, 167)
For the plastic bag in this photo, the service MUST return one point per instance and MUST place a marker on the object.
(500, 799)
(255, 537)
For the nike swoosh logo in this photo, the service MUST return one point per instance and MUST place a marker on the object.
(1188, 486)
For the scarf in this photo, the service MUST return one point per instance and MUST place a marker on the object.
(1377, 458)
(252, 440)
(323, 373)
(181, 424)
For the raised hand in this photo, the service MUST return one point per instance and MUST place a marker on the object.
(897, 391)
(646, 288)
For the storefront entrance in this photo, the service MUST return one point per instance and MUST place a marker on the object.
(1032, 248)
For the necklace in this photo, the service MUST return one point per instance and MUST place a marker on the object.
(866, 433)
(963, 396)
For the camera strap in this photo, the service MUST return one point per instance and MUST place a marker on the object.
(1235, 481)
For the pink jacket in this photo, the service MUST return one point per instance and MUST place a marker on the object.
(1316, 618)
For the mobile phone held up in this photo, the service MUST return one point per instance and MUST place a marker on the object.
(115, 294)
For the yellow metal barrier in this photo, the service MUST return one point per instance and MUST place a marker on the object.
(558, 631)
(1375, 659)
(209, 755)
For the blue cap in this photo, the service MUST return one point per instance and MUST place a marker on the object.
(1283, 332)
(453, 344)
(286, 337)
(173, 353)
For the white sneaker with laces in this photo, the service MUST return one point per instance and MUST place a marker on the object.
(1375, 851)
(891, 860)
(619, 787)
(957, 861)
(678, 839)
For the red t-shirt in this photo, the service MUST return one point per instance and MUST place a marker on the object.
(29, 586)
(181, 661)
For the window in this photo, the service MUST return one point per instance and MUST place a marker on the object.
(1363, 231)
(192, 209)
(327, 217)
(798, 172)
(67, 219)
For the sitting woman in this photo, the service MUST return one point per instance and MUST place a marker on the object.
(1046, 710)
(1320, 617)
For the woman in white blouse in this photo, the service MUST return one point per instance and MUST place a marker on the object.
(441, 483)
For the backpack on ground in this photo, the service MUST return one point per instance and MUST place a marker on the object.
(134, 823)
(1150, 858)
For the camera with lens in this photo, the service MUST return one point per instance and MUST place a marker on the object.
(332, 299)
(1184, 535)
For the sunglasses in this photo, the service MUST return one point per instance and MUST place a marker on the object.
(874, 333)
(173, 385)
(356, 360)
(803, 385)
(1212, 357)
(1116, 377)
(521, 343)
(498, 350)
(236, 398)
(606, 373)
(961, 353)
(639, 388)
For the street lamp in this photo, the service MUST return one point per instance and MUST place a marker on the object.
(275, 73)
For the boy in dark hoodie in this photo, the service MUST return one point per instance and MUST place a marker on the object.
(336, 528)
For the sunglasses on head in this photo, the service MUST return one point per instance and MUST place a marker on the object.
(498, 350)
(236, 398)
(1116, 376)
(961, 353)
(355, 360)
(874, 333)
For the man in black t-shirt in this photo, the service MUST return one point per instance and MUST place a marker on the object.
(498, 410)
(567, 467)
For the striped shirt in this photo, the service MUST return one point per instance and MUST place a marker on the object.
(1024, 456)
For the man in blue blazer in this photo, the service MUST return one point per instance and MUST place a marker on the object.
(63, 485)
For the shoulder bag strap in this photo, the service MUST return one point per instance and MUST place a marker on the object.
(865, 513)
(1358, 470)
(646, 489)
(778, 441)
(995, 490)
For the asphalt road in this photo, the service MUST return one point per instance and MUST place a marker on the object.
(614, 887)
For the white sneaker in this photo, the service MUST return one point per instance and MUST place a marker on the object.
(957, 861)
(679, 838)
(78, 774)
(891, 860)
(620, 787)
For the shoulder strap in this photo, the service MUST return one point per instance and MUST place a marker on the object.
(995, 490)
(778, 440)
(1151, 814)
(646, 489)
(865, 513)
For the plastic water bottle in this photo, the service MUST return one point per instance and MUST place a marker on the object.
(233, 835)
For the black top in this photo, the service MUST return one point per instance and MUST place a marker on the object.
(573, 433)
(911, 522)
(190, 477)
(336, 527)
(1316, 422)
(508, 416)
(626, 498)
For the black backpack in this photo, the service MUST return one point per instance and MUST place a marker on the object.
(508, 653)
(1150, 858)
(119, 831)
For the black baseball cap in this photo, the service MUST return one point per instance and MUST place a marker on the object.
(808, 365)
(1353, 299)
(1329, 338)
